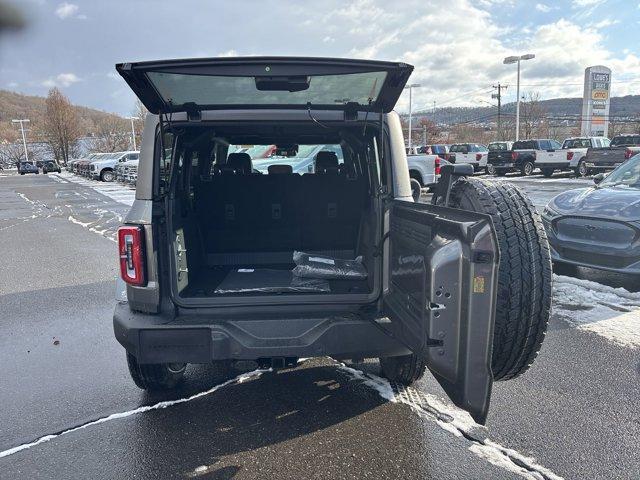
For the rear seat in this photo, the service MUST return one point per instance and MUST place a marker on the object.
(281, 211)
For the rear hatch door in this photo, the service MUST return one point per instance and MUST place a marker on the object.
(441, 296)
(266, 82)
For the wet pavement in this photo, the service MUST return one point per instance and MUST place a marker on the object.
(575, 412)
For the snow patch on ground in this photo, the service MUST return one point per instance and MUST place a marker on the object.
(116, 416)
(613, 313)
(457, 422)
(116, 191)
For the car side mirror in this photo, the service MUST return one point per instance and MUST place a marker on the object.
(598, 178)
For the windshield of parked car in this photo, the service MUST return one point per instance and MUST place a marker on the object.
(623, 140)
(576, 143)
(498, 147)
(627, 174)
(459, 149)
(524, 145)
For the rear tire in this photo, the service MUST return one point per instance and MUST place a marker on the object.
(547, 172)
(526, 169)
(490, 169)
(155, 376)
(404, 370)
(106, 176)
(416, 189)
(524, 274)
(581, 170)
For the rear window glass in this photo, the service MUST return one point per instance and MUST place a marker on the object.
(180, 89)
(302, 162)
(525, 145)
(498, 147)
(459, 148)
(625, 140)
(576, 143)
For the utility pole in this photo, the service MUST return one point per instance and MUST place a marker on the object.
(410, 87)
(133, 132)
(498, 96)
(24, 139)
(424, 135)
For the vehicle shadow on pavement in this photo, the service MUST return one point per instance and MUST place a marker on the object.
(277, 407)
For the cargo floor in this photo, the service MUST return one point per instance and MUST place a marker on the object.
(208, 280)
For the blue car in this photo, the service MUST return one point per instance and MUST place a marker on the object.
(598, 226)
(27, 167)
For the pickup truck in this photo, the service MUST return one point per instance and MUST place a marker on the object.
(526, 156)
(576, 148)
(621, 149)
(494, 152)
(425, 168)
(471, 153)
(103, 168)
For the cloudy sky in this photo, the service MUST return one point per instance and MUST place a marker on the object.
(457, 46)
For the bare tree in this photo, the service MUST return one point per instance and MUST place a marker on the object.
(61, 126)
(13, 153)
(532, 115)
(112, 134)
(140, 113)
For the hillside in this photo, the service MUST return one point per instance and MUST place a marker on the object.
(627, 106)
(16, 105)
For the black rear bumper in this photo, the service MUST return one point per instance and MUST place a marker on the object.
(157, 339)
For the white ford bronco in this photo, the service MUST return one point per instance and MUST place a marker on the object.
(224, 262)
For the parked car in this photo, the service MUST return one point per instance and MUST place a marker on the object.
(51, 166)
(27, 167)
(425, 169)
(527, 155)
(471, 153)
(621, 149)
(598, 226)
(126, 172)
(207, 260)
(102, 168)
(576, 149)
(438, 149)
(494, 149)
(412, 150)
(303, 160)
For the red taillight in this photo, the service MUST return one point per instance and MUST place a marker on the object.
(627, 154)
(131, 251)
(478, 157)
(569, 155)
(437, 166)
(514, 155)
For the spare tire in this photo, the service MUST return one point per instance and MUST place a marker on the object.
(524, 274)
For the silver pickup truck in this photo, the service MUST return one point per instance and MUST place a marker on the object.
(622, 148)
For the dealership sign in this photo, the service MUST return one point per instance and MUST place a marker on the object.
(596, 101)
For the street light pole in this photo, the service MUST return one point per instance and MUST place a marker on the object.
(24, 139)
(133, 132)
(516, 59)
(410, 88)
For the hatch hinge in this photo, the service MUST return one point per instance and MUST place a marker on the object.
(194, 114)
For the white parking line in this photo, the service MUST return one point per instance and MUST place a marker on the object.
(116, 416)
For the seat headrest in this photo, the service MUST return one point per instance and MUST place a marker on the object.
(326, 162)
(240, 162)
(280, 169)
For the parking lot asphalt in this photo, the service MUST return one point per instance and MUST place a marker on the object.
(71, 411)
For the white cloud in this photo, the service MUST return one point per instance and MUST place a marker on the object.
(604, 23)
(457, 62)
(69, 10)
(61, 80)
(541, 7)
(228, 53)
(586, 3)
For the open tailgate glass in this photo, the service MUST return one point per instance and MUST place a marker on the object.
(266, 82)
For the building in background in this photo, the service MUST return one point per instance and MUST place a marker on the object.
(596, 101)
